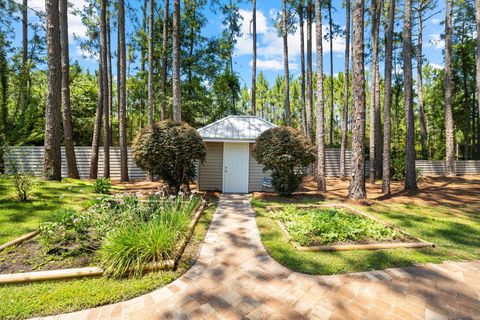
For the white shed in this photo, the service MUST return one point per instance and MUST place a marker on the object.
(229, 166)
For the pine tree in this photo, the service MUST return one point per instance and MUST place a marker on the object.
(320, 135)
(357, 183)
(52, 148)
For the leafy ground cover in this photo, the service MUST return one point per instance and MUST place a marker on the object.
(19, 217)
(45, 298)
(121, 233)
(325, 226)
(454, 230)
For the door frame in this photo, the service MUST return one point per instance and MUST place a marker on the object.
(223, 163)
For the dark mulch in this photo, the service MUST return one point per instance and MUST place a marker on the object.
(31, 255)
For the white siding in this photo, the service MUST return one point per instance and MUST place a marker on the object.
(211, 171)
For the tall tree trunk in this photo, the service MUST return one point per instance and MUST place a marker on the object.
(122, 97)
(66, 110)
(285, 64)
(109, 77)
(421, 106)
(97, 127)
(143, 62)
(300, 10)
(177, 102)
(387, 96)
(151, 31)
(343, 145)
(106, 112)
(410, 175)
(309, 107)
(477, 78)
(165, 61)
(373, 89)
(378, 120)
(332, 89)
(357, 183)
(449, 134)
(320, 134)
(25, 66)
(52, 165)
(254, 62)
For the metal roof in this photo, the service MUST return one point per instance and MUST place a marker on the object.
(231, 128)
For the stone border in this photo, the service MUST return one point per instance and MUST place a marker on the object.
(349, 247)
(26, 277)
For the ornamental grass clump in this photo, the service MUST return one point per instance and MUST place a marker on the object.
(128, 249)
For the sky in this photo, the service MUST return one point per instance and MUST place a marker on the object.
(269, 44)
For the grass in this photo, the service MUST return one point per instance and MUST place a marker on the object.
(47, 298)
(19, 217)
(131, 247)
(319, 226)
(455, 231)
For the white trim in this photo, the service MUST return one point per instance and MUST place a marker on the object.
(229, 140)
(223, 169)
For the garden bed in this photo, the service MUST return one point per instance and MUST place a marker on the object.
(338, 227)
(122, 235)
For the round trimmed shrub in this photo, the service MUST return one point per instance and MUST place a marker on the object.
(284, 151)
(169, 149)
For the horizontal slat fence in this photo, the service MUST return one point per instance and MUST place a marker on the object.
(30, 159)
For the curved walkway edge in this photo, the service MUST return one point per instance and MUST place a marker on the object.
(235, 278)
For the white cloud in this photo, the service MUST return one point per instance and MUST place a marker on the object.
(436, 21)
(270, 44)
(244, 43)
(436, 41)
(436, 66)
(75, 25)
(275, 65)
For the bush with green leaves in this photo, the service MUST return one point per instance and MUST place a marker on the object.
(102, 185)
(24, 184)
(397, 170)
(169, 149)
(284, 151)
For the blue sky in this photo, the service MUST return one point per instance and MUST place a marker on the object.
(269, 57)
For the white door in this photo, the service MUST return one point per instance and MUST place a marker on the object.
(235, 167)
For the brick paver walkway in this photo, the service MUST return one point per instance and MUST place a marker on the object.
(234, 278)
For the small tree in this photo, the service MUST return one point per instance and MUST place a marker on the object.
(284, 151)
(169, 149)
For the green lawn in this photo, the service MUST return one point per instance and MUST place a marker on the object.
(455, 231)
(18, 218)
(46, 298)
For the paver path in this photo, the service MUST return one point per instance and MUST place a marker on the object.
(234, 278)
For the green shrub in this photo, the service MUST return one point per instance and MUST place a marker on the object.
(284, 151)
(102, 185)
(24, 184)
(169, 149)
(397, 170)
